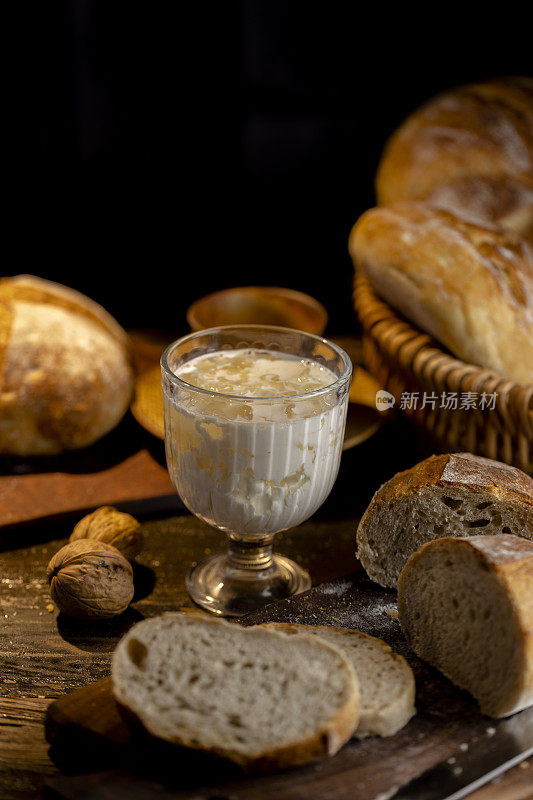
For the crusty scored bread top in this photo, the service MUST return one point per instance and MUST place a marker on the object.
(465, 469)
(448, 495)
(470, 287)
(470, 151)
(386, 681)
(255, 696)
(466, 607)
(65, 372)
(31, 289)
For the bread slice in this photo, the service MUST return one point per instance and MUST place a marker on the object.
(255, 696)
(448, 495)
(466, 607)
(386, 681)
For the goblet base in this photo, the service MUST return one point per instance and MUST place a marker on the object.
(219, 586)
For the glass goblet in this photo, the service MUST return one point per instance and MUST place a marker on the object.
(252, 466)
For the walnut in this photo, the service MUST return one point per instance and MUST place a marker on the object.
(106, 524)
(90, 580)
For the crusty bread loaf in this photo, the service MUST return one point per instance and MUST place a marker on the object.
(386, 681)
(447, 495)
(469, 151)
(258, 697)
(466, 607)
(65, 373)
(469, 287)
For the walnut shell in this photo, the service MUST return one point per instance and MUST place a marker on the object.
(106, 524)
(90, 580)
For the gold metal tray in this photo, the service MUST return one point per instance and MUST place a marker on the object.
(362, 422)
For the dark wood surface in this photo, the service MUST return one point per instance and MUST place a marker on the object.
(446, 720)
(44, 655)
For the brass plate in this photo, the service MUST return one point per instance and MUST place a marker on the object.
(362, 422)
(147, 406)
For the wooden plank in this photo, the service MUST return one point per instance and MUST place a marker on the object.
(25, 498)
(446, 719)
(44, 655)
(24, 752)
(517, 784)
(21, 720)
(94, 704)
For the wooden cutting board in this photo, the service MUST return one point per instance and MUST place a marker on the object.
(88, 722)
(26, 498)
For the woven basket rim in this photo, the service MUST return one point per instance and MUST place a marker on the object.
(427, 348)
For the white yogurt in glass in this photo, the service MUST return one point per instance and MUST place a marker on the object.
(255, 447)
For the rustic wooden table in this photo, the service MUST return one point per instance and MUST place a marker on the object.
(44, 655)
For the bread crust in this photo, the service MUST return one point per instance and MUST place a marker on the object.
(473, 476)
(469, 151)
(327, 741)
(510, 560)
(396, 715)
(468, 286)
(31, 289)
(463, 470)
(65, 372)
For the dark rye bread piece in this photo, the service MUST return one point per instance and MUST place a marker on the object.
(466, 607)
(448, 495)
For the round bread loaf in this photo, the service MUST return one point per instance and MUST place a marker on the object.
(65, 373)
(469, 151)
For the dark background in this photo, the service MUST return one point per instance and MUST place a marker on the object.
(168, 149)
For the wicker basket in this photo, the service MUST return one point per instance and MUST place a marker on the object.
(408, 363)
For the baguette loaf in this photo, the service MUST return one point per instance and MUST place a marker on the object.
(466, 607)
(65, 373)
(447, 495)
(469, 287)
(469, 151)
(386, 681)
(258, 697)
